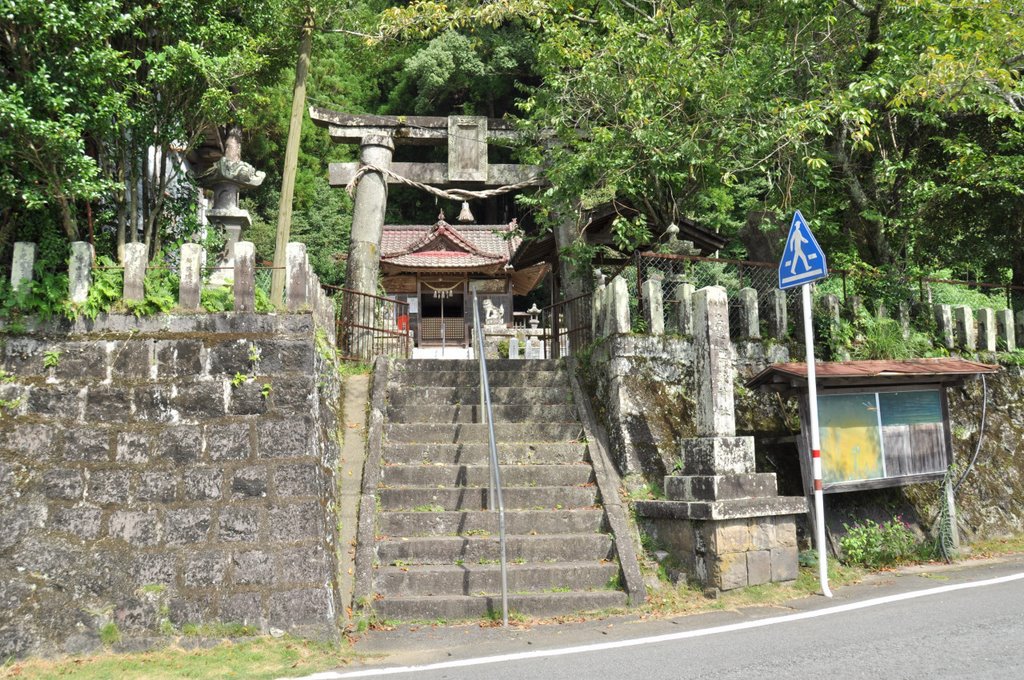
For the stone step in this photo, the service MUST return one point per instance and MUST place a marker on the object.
(477, 453)
(456, 550)
(470, 379)
(456, 607)
(459, 433)
(485, 522)
(430, 499)
(485, 579)
(402, 396)
(479, 475)
(471, 365)
(470, 413)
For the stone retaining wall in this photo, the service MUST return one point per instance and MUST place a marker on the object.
(168, 471)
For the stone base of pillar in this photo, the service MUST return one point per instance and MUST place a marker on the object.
(231, 220)
(730, 553)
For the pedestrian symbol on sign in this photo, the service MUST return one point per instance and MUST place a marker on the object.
(802, 260)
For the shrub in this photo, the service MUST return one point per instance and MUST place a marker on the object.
(872, 545)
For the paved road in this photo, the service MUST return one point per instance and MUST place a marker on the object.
(962, 623)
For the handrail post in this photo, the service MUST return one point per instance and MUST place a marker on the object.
(493, 451)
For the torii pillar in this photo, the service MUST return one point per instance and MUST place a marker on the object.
(371, 201)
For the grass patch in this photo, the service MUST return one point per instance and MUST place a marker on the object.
(997, 546)
(251, 659)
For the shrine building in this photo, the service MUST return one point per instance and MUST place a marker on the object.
(435, 269)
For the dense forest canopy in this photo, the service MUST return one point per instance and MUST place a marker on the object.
(896, 126)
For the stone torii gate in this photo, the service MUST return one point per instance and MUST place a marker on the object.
(466, 173)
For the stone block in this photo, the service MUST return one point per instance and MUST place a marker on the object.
(180, 445)
(35, 442)
(179, 358)
(252, 567)
(286, 356)
(80, 361)
(1006, 329)
(228, 441)
(183, 609)
(109, 487)
(132, 448)
(297, 480)
(248, 399)
(239, 525)
(762, 533)
(294, 522)
(153, 404)
(729, 571)
(188, 526)
(300, 607)
(986, 330)
(205, 569)
(87, 444)
(720, 487)
(131, 360)
(228, 358)
(156, 487)
(284, 438)
(200, 401)
(731, 536)
(759, 567)
(153, 569)
(108, 404)
(785, 532)
(58, 401)
(201, 484)
(750, 320)
(140, 529)
(293, 396)
(785, 564)
(718, 455)
(654, 307)
(308, 565)
(250, 482)
(966, 333)
(65, 485)
(83, 523)
(243, 608)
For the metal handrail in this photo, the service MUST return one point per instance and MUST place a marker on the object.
(494, 492)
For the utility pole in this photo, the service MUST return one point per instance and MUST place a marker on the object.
(291, 161)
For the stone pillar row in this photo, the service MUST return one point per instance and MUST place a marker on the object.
(957, 328)
(302, 284)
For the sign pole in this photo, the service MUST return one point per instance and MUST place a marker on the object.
(812, 398)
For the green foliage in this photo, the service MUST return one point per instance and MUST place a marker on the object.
(51, 358)
(217, 299)
(883, 339)
(110, 634)
(106, 288)
(160, 292)
(871, 545)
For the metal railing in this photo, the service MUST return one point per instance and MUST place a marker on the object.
(371, 325)
(567, 327)
(494, 496)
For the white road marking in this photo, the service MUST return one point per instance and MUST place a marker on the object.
(655, 639)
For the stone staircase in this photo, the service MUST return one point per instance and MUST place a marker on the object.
(437, 544)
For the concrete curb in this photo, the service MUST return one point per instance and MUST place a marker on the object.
(365, 538)
(608, 484)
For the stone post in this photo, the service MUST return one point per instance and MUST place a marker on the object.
(597, 311)
(832, 312)
(23, 262)
(617, 308)
(944, 325)
(190, 279)
(1018, 325)
(966, 337)
(684, 304)
(750, 320)
(713, 363)
(80, 271)
(1006, 329)
(986, 330)
(654, 309)
(778, 327)
(296, 276)
(722, 521)
(368, 216)
(856, 304)
(903, 315)
(245, 277)
(135, 271)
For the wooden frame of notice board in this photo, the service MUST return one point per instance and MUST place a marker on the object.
(875, 436)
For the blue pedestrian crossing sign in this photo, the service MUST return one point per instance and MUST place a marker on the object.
(802, 260)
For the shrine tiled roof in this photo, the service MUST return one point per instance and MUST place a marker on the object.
(445, 246)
